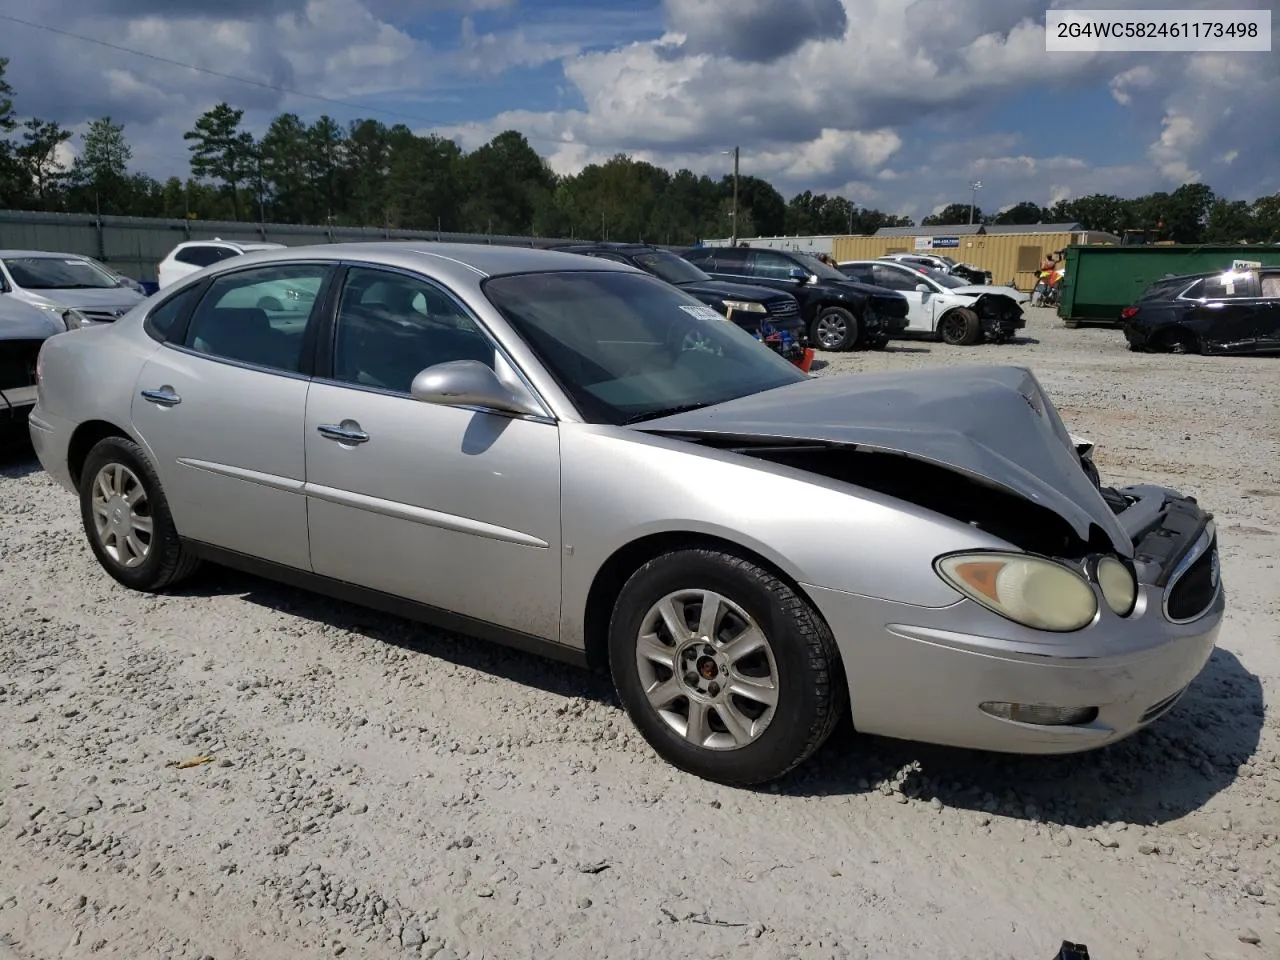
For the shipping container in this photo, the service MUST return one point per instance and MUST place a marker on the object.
(1102, 280)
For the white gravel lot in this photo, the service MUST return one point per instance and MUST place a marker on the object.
(381, 790)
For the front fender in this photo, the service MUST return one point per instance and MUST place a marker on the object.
(620, 485)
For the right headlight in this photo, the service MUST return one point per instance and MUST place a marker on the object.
(74, 319)
(745, 306)
(1119, 588)
(1029, 590)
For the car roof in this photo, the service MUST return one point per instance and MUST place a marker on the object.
(482, 259)
(609, 245)
(43, 254)
(242, 244)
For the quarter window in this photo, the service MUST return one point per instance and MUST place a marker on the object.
(163, 317)
(391, 327)
(257, 316)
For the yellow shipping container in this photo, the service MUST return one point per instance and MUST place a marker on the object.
(1012, 258)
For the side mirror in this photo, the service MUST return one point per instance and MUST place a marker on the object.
(468, 383)
(923, 288)
(798, 274)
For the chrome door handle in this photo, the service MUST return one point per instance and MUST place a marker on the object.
(165, 397)
(342, 434)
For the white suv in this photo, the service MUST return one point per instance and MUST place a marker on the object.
(187, 258)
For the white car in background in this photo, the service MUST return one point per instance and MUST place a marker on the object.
(944, 307)
(186, 258)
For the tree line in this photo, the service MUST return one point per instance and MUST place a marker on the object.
(369, 174)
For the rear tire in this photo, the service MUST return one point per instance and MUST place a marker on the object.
(1180, 341)
(126, 518)
(834, 329)
(960, 328)
(739, 697)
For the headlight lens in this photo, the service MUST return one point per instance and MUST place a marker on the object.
(1119, 588)
(1032, 591)
(74, 319)
(745, 306)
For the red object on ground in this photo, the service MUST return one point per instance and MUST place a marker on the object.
(806, 361)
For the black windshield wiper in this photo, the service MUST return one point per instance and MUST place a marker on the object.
(665, 412)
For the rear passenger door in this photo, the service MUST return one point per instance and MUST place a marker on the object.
(1269, 311)
(221, 408)
(1228, 315)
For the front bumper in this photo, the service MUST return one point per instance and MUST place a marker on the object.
(921, 674)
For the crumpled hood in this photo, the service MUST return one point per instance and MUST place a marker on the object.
(977, 290)
(995, 424)
(21, 321)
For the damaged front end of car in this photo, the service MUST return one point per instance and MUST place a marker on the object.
(1001, 317)
(983, 446)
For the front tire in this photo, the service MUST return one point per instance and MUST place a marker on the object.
(835, 329)
(723, 668)
(960, 328)
(126, 518)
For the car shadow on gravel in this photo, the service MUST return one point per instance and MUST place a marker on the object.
(526, 669)
(1170, 769)
(17, 458)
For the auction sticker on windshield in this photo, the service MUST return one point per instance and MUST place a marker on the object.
(701, 312)
(1151, 31)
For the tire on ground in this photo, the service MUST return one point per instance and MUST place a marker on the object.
(961, 328)
(168, 560)
(810, 687)
(837, 317)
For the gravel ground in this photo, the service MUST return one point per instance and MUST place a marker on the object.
(380, 790)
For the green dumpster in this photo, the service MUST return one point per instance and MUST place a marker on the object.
(1102, 280)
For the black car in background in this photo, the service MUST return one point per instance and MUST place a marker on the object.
(749, 306)
(1232, 311)
(840, 313)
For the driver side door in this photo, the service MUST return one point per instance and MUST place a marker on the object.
(454, 508)
(904, 280)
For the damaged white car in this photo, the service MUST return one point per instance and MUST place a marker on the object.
(945, 307)
(567, 454)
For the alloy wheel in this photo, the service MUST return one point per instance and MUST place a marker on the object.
(707, 669)
(122, 515)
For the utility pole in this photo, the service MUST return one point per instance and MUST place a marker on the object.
(735, 196)
(973, 196)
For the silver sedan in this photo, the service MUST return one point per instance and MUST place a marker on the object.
(573, 457)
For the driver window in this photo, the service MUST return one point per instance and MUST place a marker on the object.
(772, 266)
(390, 327)
(896, 278)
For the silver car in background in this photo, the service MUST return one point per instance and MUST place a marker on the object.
(571, 456)
(77, 289)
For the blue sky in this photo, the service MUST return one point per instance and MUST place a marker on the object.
(897, 104)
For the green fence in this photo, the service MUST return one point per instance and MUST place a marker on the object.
(1102, 280)
(136, 245)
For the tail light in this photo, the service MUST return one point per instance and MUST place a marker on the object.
(1128, 313)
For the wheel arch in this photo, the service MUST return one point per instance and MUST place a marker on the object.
(626, 560)
(1174, 332)
(84, 438)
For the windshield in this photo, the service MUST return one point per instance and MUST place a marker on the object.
(947, 260)
(671, 268)
(627, 347)
(58, 273)
(816, 266)
(947, 280)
